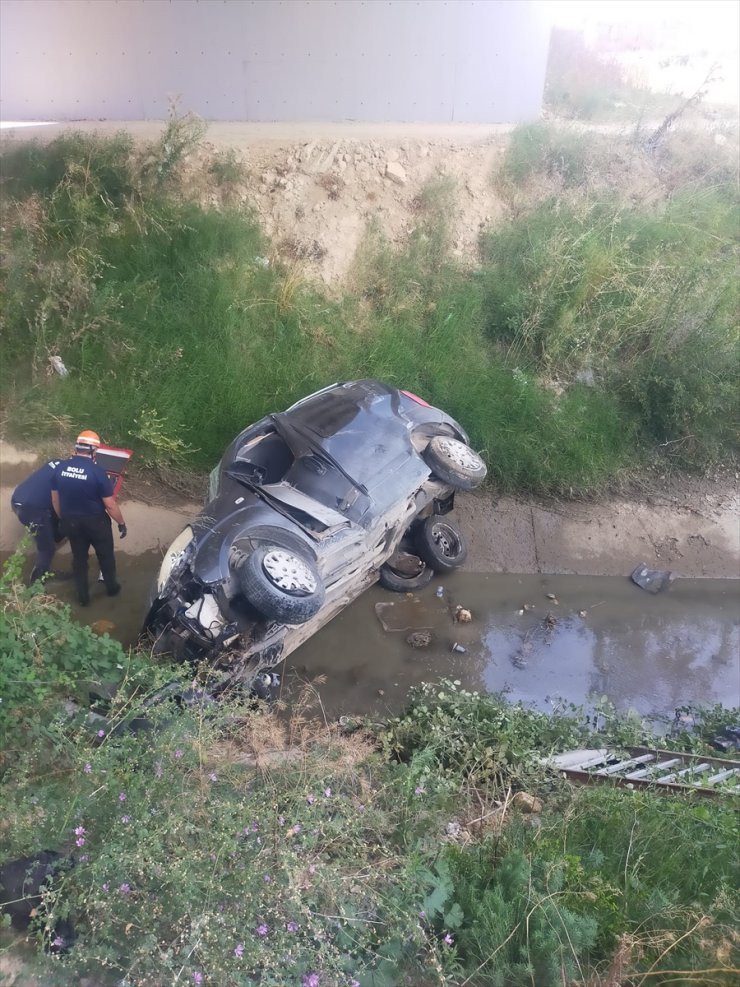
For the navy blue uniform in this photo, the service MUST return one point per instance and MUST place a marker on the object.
(31, 502)
(82, 485)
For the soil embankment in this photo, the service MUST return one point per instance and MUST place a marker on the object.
(692, 528)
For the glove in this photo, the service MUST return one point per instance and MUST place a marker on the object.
(122, 530)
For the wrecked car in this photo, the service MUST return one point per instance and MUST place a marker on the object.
(306, 510)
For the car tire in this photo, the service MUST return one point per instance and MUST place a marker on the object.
(396, 583)
(281, 584)
(455, 462)
(439, 544)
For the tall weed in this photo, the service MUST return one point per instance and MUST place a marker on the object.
(633, 298)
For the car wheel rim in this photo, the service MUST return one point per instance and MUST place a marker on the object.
(446, 541)
(289, 573)
(460, 454)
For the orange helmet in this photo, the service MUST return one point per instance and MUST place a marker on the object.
(87, 440)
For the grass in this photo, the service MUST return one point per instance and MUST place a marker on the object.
(238, 842)
(593, 332)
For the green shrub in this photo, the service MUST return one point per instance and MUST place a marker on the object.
(45, 656)
(189, 861)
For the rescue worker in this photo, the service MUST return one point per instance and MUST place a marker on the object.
(82, 495)
(31, 502)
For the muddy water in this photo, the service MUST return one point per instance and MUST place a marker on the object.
(650, 653)
(606, 638)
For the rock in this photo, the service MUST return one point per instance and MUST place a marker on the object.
(419, 639)
(395, 172)
(102, 626)
(461, 615)
(652, 580)
(526, 802)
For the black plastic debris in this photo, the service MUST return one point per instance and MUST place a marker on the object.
(652, 580)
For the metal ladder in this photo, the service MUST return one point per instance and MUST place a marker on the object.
(647, 767)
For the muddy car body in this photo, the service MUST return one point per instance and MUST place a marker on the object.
(306, 510)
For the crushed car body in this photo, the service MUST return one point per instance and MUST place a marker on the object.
(306, 510)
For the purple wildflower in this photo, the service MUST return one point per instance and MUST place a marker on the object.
(354, 983)
(124, 888)
(448, 939)
(312, 868)
(255, 826)
(58, 942)
(327, 793)
(125, 819)
(122, 797)
(80, 831)
(88, 768)
(178, 753)
(198, 977)
(239, 951)
(422, 914)
(311, 799)
(311, 980)
(84, 858)
(106, 886)
(419, 790)
(281, 820)
(292, 926)
(263, 930)
(266, 878)
(101, 733)
(295, 830)
(80, 841)
(213, 776)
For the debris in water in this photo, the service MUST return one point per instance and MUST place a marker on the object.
(529, 606)
(461, 615)
(550, 622)
(440, 591)
(551, 596)
(419, 639)
(583, 613)
(653, 580)
(408, 614)
(458, 648)
(102, 626)
(381, 692)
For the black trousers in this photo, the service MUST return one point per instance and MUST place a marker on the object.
(92, 530)
(43, 524)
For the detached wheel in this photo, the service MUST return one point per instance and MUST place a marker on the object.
(440, 545)
(282, 585)
(455, 462)
(406, 581)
